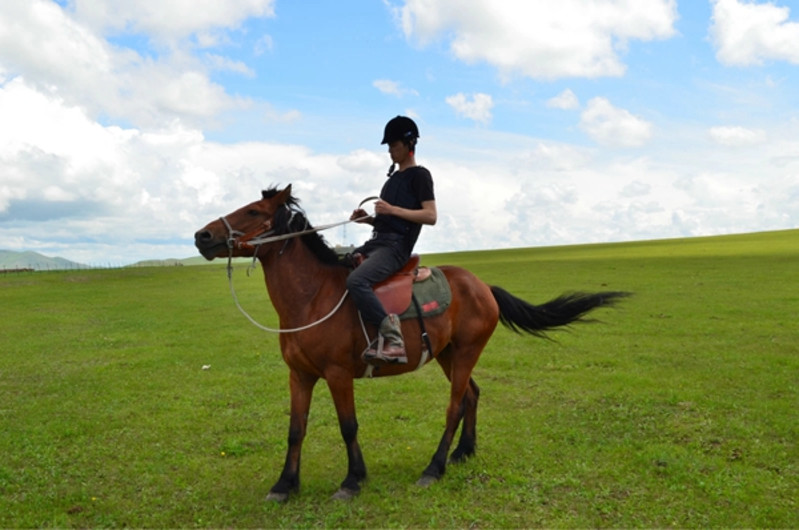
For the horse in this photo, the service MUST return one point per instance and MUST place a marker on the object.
(305, 278)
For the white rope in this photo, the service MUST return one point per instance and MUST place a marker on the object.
(271, 239)
(262, 240)
(370, 368)
(273, 330)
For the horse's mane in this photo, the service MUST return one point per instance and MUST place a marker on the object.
(291, 218)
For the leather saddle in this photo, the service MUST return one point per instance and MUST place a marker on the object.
(395, 291)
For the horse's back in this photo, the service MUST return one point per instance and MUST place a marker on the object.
(473, 311)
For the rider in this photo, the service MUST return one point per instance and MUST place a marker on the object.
(406, 203)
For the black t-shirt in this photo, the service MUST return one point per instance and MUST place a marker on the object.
(407, 189)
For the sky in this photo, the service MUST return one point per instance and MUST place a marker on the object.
(127, 125)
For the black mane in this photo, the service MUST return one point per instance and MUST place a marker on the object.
(291, 218)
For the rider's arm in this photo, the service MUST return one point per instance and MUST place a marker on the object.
(427, 215)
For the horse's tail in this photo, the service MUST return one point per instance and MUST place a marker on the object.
(519, 315)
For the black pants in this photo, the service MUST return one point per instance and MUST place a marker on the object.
(384, 258)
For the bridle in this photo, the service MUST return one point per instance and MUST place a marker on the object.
(238, 240)
(263, 234)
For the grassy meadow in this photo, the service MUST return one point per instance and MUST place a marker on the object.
(677, 409)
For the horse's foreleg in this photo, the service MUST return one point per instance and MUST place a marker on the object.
(301, 391)
(341, 389)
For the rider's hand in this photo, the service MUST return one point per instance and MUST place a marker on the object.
(383, 208)
(359, 214)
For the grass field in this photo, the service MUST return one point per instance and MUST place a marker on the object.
(678, 409)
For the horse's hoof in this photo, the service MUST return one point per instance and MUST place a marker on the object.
(426, 481)
(458, 458)
(277, 497)
(344, 494)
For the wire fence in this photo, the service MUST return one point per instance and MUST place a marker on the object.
(44, 267)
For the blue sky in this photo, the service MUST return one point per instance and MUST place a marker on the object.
(126, 125)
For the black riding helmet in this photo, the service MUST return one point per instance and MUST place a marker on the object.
(400, 128)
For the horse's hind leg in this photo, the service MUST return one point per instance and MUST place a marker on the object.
(460, 383)
(468, 440)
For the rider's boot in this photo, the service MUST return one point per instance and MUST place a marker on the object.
(390, 347)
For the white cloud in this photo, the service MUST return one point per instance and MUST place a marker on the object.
(609, 125)
(737, 136)
(264, 44)
(168, 21)
(746, 33)
(477, 109)
(58, 54)
(545, 40)
(271, 115)
(69, 179)
(393, 88)
(566, 100)
(218, 62)
(636, 188)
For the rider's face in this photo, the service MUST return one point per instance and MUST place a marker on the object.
(398, 151)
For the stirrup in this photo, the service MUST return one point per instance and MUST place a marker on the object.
(371, 351)
(374, 355)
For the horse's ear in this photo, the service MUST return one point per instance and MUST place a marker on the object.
(283, 196)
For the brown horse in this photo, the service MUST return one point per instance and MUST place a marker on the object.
(306, 279)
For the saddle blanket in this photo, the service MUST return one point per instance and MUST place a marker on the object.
(433, 294)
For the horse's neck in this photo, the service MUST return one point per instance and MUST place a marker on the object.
(296, 279)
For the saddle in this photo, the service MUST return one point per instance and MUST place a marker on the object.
(395, 291)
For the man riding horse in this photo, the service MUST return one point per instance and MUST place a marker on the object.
(406, 202)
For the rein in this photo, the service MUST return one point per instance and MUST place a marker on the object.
(240, 240)
(274, 330)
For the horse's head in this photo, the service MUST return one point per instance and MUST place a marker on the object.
(230, 233)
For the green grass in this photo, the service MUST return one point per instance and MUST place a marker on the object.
(678, 409)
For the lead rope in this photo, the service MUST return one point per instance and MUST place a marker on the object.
(260, 241)
(273, 330)
(368, 373)
(271, 239)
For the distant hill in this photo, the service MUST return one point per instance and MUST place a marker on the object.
(196, 260)
(171, 262)
(11, 260)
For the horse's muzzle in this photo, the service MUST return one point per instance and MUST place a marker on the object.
(208, 245)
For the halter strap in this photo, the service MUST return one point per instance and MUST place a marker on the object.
(231, 234)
